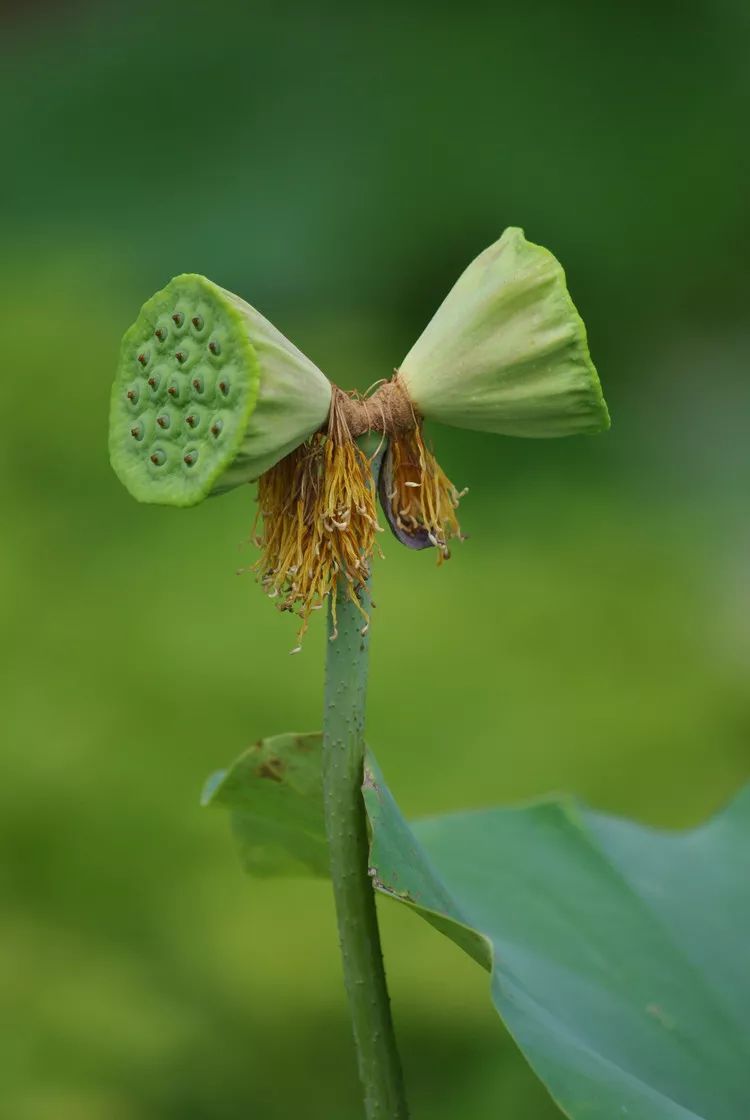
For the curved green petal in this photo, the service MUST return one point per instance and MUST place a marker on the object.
(506, 351)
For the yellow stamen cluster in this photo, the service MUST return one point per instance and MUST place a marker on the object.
(422, 497)
(319, 523)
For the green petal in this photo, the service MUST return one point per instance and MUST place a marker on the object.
(207, 395)
(506, 351)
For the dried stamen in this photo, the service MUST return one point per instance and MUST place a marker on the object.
(318, 511)
(418, 498)
(319, 522)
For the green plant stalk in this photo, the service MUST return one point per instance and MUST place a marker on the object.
(346, 826)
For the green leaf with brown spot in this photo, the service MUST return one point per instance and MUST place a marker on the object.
(275, 793)
(619, 954)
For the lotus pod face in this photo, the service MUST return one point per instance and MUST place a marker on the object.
(506, 351)
(207, 395)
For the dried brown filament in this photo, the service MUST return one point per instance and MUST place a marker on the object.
(319, 522)
(422, 499)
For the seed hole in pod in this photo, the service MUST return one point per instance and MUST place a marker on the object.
(173, 391)
(160, 333)
(198, 384)
(157, 457)
(224, 388)
(143, 358)
(178, 318)
(181, 356)
(214, 347)
(190, 457)
(197, 322)
(191, 420)
(137, 432)
(163, 421)
(153, 381)
(216, 428)
(132, 395)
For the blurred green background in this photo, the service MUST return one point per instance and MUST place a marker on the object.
(338, 166)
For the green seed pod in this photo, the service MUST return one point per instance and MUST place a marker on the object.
(207, 395)
(506, 351)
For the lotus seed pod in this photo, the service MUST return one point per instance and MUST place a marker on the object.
(207, 395)
(506, 351)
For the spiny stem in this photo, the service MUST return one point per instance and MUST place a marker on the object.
(346, 825)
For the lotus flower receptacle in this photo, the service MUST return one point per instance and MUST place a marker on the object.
(208, 394)
(506, 351)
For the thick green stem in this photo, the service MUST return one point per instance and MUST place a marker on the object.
(346, 824)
